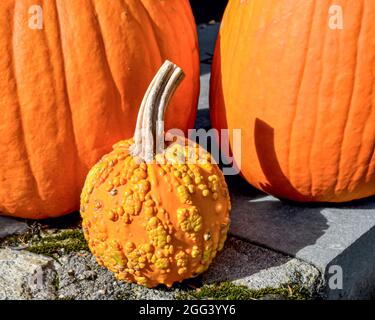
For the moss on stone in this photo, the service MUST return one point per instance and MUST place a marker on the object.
(230, 291)
(16, 240)
(56, 282)
(66, 241)
(124, 295)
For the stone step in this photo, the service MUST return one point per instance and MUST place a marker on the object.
(337, 240)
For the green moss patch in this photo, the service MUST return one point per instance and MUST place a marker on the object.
(16, 240)
(56, 282)
(50, 244)
(64, 242)
(230, 291)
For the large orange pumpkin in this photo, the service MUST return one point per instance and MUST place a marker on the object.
(298, 77)
(70, 89)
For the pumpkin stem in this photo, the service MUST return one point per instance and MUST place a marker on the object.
(149, 131)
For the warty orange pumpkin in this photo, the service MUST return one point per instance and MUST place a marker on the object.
(155, 216)
(298, 78)
(70, 86)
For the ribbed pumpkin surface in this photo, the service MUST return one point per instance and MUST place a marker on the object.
(72, 89)
(303, 95)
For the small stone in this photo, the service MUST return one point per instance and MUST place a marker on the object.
(90, 275)
(71, 272)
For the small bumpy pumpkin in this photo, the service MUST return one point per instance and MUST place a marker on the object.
(149, 216)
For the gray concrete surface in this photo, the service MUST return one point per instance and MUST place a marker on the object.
(317, 235)
(324, 237)
(257, 268)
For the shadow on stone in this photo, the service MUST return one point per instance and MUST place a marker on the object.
(207, 10)
(355, 268)
(324, 236)
(264, 139)
(269, 221)
(258, 268)
(207, 35)
(203, 119)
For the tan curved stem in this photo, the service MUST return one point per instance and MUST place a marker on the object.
(149, 132)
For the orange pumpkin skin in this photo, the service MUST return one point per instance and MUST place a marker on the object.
(155, 223)
(72, 89)
(303, 95)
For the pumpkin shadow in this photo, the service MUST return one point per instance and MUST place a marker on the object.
(273, 230)
(360, 283)
(264, 139)
(266, 234)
